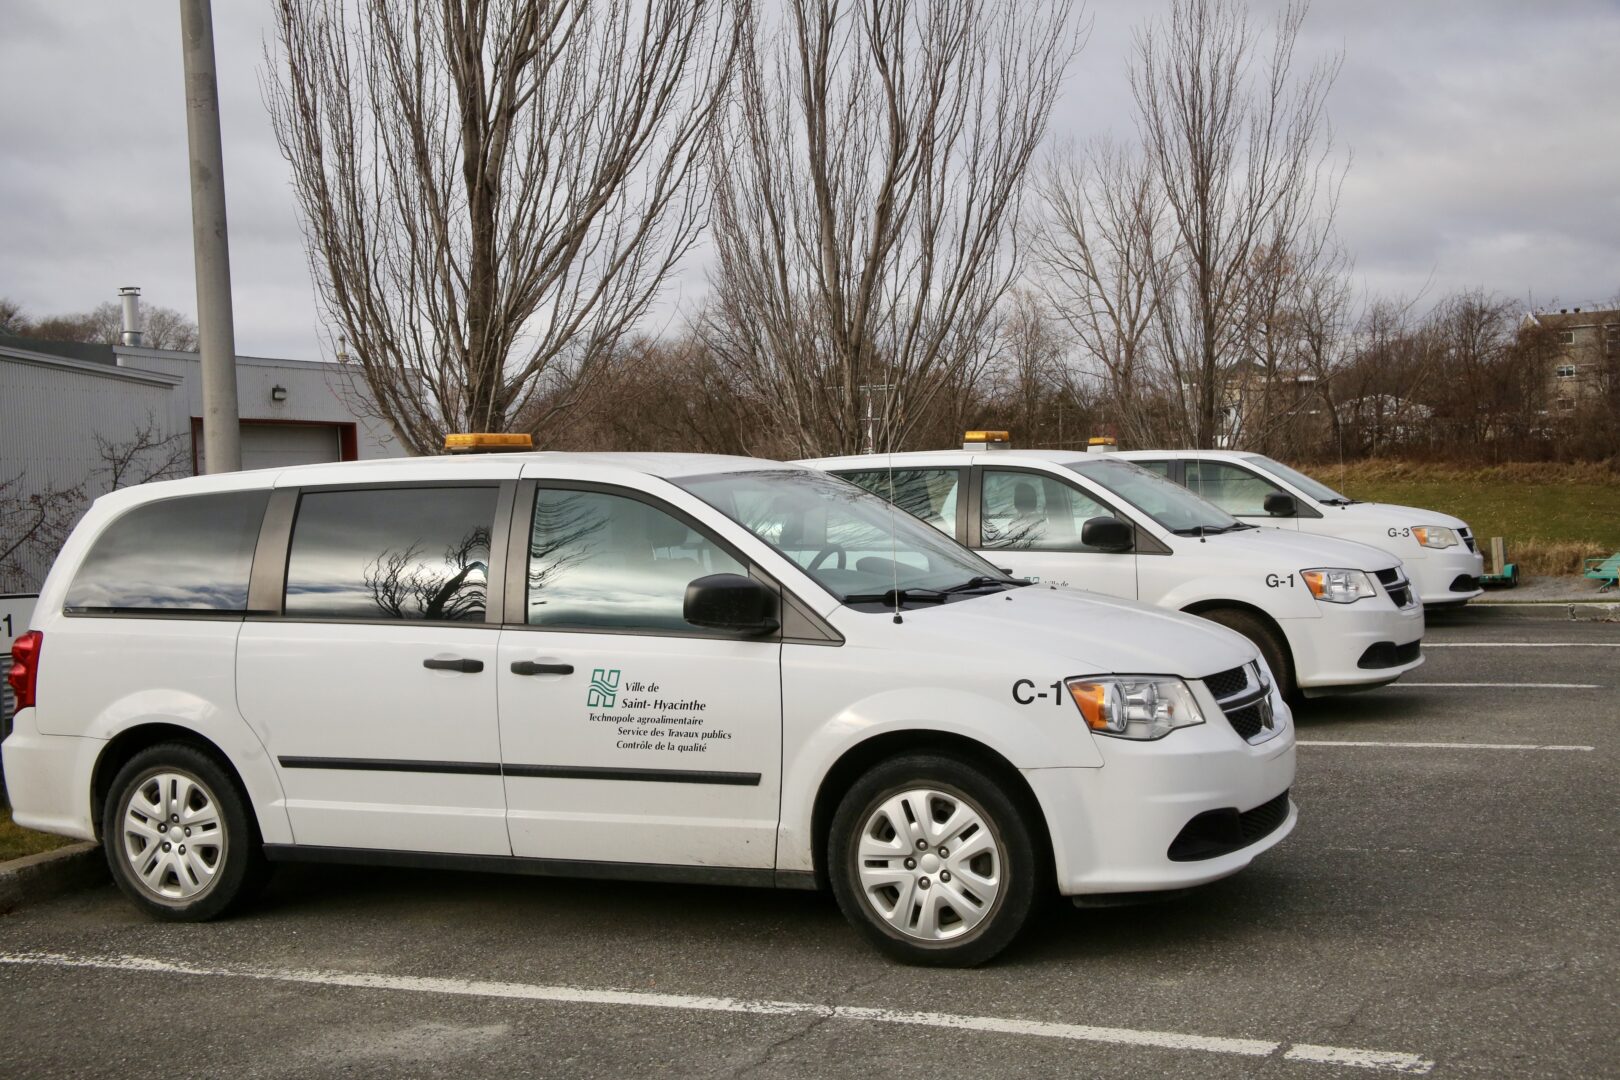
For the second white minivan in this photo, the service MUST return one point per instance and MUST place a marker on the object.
(1329, 615)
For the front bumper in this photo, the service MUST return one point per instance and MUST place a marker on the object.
(1113, 827)
(1330, 652)
(1435, 572)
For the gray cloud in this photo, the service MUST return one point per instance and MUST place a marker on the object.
(1485, 139)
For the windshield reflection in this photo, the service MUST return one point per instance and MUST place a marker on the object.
(859, 547)
(1165, 501)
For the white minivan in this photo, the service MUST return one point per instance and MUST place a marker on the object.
(1440, 553)
(1328, 615)
(658, 667)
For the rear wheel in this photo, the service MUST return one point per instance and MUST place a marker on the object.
(1271, 644)
(178, 835)
(933, 862)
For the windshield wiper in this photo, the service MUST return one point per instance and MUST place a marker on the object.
(898, 597)
(1337, 502)
(983, 581)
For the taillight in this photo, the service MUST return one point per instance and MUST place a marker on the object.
(24, 671)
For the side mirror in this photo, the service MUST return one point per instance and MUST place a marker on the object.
(1278, 504)
(1108, 534)
(731, 602)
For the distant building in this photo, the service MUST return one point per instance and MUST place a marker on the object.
(57, 399)
(1586, 354)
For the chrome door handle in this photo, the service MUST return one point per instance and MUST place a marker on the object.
(531, 667)
(466, 667)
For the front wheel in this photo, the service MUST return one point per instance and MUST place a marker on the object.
(932, 861)
(179, 838)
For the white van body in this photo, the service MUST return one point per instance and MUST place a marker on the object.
(547, 731)
(1328, 647)
(1439, 551)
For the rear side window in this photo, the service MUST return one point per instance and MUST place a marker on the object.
(193, 553)
(1156, 465)
(413, 554)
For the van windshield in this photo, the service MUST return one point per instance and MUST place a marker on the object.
(860, 548)
(1165, 501)
(1318, 491)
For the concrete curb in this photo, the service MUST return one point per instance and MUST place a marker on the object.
(34, 878)
(1559, 610)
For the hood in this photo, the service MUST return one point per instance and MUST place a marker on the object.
(1387, 514)
(1092, 634)
(1298, 551)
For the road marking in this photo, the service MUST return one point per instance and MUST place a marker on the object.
(1510, 685)
(1386, 1061)
(1439, 745)
(1521, 644)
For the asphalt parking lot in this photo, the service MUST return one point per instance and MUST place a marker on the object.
(1448, 906)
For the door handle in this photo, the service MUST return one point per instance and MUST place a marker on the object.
(466, 667)
(530, 667)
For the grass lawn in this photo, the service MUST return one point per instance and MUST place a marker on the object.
(15, 841)
(1552, 516)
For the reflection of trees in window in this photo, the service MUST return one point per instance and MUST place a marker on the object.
(564, 527)
(405, 586)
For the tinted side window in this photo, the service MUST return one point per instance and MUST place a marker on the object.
(391, 553)
(193, 553)
(1235, 490)
(602, 561)
(928, 495)
(1030, 512)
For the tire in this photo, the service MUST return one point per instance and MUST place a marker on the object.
(1271, 644)
(207, 819)
(993, 879)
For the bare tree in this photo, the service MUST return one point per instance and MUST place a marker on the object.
(493, 191)
(866, 177)
(1240, 150)
(1094, 252)
(147, 455)
(164, 328)
(32, 528)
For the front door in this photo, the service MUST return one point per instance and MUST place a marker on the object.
(1030, 523)
(627, 734)
(374, 691)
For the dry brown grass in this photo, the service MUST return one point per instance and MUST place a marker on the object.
(1535, 558)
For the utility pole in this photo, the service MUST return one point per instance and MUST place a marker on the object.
(216, 331)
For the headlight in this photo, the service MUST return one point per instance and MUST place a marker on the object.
(1435, 536)
(1135, 707)
(1339, 586)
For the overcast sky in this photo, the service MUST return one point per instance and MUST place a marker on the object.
(1485, 140)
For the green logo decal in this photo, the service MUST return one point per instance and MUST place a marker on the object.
(604, 689)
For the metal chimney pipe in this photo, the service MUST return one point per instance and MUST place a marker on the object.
(130, 295)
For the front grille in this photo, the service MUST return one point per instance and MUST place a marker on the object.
(1395, 583)
(1468, 538)
(1387, 654)
(1248, 721)
(1220, 832)
(1224, 684)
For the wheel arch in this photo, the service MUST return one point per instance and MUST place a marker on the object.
(1204, 607)
(858, 759)
(131, 741)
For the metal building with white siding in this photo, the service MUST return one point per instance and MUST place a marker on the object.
(57, 398)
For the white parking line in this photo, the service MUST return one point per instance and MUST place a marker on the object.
(1509, 685)
(1437, 745)
(1521, 644)
(1386, 1061)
